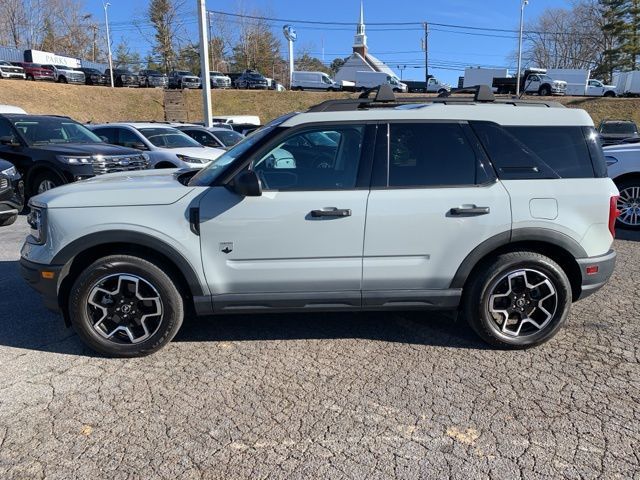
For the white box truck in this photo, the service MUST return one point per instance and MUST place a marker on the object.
(482, 76)
(366, 80)
(313, 81)
(579, 83)
(628, 83)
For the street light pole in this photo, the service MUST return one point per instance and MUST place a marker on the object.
(204, 64)
(106, 21)
(522, 5)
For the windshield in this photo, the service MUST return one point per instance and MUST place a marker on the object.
(182, 72)
(228, 137)
(165, 137)
(42, 131)
(545, 78)
(619, 128)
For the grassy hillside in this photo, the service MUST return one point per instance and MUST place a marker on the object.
(100, 104)
(96, 104)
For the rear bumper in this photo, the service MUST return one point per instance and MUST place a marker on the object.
(48, 288)
(592, 282)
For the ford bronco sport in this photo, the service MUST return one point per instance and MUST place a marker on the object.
(500, 209)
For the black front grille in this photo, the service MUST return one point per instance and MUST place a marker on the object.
(119, 163)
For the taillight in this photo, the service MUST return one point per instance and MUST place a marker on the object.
(613, 214)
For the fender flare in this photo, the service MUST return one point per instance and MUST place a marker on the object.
(76, 247)
(541, 235)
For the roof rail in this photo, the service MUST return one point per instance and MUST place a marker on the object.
(481, 93)
(385, 98)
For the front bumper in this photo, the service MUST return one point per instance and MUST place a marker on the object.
(602, 267)
(12, 199)
(12, 75)
(190, 84)
(47, 287)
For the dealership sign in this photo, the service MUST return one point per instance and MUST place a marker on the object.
(48, 58)
(289, 33)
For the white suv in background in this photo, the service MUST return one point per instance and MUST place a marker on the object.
(166, 146)
(501, 210)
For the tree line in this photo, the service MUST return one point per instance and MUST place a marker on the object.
(600, 35)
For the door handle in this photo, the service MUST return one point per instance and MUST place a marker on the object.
(469, 210)
(331, 212)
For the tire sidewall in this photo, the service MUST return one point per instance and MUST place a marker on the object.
(482, 292)
(173, 307)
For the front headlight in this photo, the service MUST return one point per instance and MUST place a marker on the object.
(36, 220)
(188, 159)
(75, 160)
(10, 172)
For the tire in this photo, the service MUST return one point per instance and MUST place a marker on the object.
(165, 165)
(126, 277)
(44, 181)
(62, 80)
(629, 204)
(441, 91)
(8, 221)
(544, 91)
(31, 78)
(490, 278)
(609, 94)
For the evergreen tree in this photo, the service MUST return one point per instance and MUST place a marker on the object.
(616, 28)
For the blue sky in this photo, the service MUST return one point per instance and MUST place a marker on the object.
(448, 47)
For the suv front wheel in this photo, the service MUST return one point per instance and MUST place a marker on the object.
(517, 300)
(125, 306)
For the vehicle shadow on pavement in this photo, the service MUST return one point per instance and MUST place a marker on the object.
(630, 235)
(413, 327)
(27, 324)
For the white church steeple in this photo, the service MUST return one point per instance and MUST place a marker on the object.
(360, 40)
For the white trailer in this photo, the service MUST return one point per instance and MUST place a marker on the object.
(482, 76)
(628, 83)
(580, 85)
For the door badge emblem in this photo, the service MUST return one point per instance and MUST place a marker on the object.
(226, 247)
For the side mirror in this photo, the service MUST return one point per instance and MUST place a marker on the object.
(9, 140)
(139, 146)
(247, 184)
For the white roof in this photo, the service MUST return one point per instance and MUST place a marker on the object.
(135, 125)
(503, 114)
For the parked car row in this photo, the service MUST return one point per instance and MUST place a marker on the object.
(47, 151)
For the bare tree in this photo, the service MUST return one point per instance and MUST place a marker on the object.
(566, 38)
(13, 14)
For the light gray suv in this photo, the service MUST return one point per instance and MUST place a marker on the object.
(500, 210)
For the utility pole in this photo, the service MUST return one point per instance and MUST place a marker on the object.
(94, 27)
(211, 59)
(106, 21)
(204, 63)
(522, 5)
(426, 52)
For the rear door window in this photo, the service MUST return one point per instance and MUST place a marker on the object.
(539, 152)
(429, 155)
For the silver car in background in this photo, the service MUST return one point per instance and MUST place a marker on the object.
(166, 146)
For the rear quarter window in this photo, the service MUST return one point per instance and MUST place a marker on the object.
(531, 152)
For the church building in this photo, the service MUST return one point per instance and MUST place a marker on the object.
(361, 60)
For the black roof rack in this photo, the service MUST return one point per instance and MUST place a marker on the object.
(385, 98)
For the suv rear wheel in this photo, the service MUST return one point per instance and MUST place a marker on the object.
(517, 300)
(125, 306)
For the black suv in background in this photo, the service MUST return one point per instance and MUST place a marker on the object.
(618, 131)
(251, 79)
(152, 78)
(11, 193)
(93, 76)
(50, 151)
(122, 78)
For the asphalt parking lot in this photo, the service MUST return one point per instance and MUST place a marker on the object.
(403, 395)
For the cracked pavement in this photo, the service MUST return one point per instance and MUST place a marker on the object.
(370, 395)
